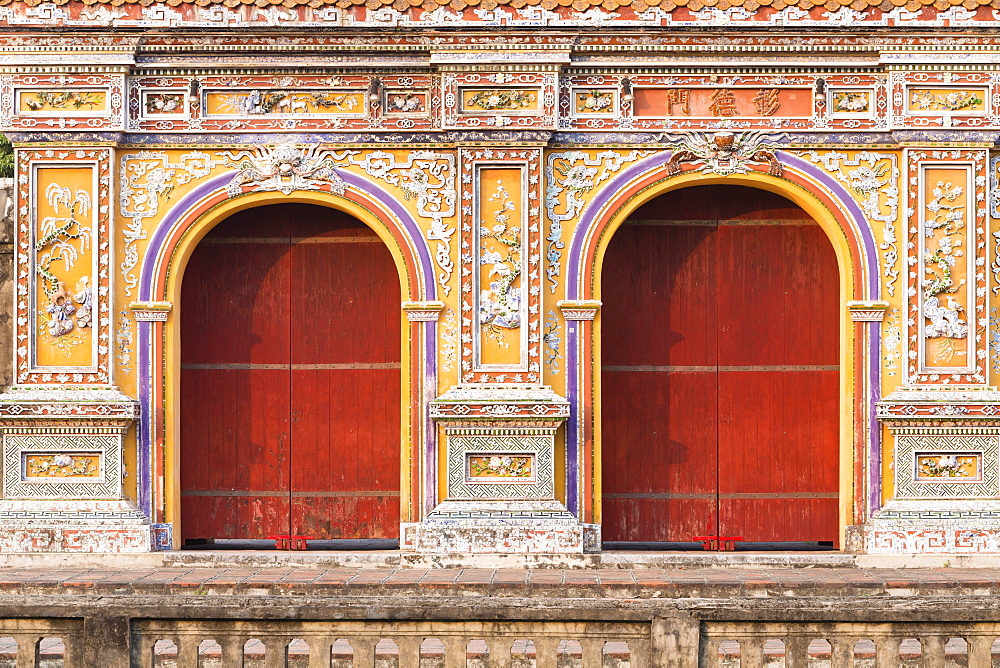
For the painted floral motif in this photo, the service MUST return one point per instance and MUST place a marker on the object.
(948, 466)
(66, 100)
(552, 341)
(501, 100)
(929, 100)
(501, 466)
(595, 102)
(124, 339)
(64, 238)
(164, 103)
(850, 102)
(449, 339)
(62, 466)
(946, 211)
(892, 337)
(406, 103)
(500, 304)
(284, 102)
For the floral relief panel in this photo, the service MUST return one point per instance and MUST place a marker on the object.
(501, 259)
(947, 267)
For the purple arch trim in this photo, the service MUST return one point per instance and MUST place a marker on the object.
(156, 242)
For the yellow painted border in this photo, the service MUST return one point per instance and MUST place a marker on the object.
(838, 238)
(179, 256)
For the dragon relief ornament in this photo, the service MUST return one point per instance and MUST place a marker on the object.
(285, 168)
(723, 153)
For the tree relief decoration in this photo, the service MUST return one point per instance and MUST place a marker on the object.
(947, 266)
(569, 177)
(147, 179)
(874, 179)
(501, 289)
(65, 236)
(500, 250)
(448, 339)
(63, 323)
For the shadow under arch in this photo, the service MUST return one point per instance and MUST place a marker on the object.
(169, 250)
(846, 226)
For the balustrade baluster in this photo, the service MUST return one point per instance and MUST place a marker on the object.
(232, 650)
(27, 650)
(979, 651)
(275, 652)
(842, 650)
(751, 652)
(409, 650)
(796, 651)
(500, 651)
(545, 652)
(364, 651)
(187, 650)
(886, 650)
(455, 651)
(320, 651)
(593, 651)
(933, 650)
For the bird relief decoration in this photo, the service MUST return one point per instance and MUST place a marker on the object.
(500, 261)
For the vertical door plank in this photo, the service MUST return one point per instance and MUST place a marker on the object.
(234, 427)
(345, 323)
(659, 376)
(778, 426)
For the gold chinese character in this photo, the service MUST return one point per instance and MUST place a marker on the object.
(723, 103)
(678, 96)
(766, 101)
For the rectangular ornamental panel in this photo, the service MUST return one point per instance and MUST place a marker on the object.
(63, 267)
(947, 266)
(501, 274)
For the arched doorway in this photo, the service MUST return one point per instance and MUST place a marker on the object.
(720, 371)
(290, 378)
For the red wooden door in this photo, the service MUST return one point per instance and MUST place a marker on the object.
(720, 376)
(290, 379)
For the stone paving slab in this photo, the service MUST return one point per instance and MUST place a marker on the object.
(524, 583)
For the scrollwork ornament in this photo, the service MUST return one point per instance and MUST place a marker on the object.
(147, 179)
(574, 174)
(874, 178)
